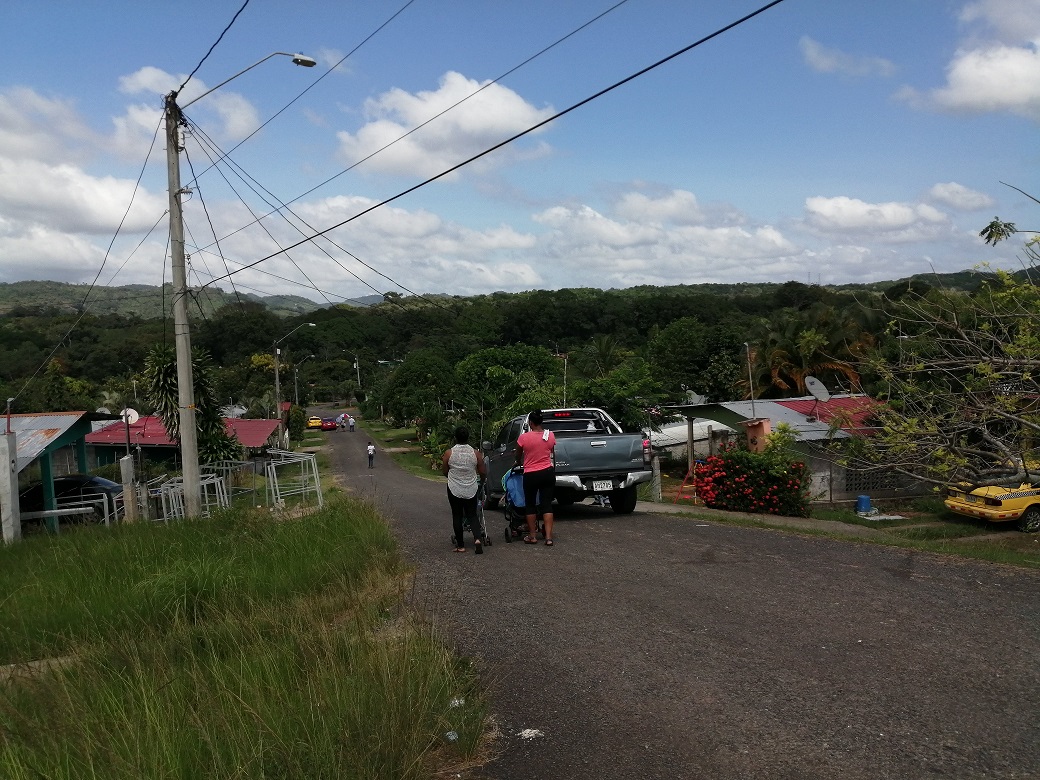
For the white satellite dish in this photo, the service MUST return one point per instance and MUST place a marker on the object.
(102, 410)
(817, 389)
(130, 415)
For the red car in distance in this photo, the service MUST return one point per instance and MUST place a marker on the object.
(329, 424)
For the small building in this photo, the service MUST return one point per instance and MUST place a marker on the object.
(822, 428)
(148, 435)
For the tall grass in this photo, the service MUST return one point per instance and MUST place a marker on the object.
(242, 647)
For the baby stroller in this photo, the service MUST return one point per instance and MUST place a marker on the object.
(484, 538)
(514, 505)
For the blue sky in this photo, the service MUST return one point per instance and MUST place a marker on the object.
(830, 142)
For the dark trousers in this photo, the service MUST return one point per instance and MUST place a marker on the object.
(539, 490)
(371, 460)
(464, 508)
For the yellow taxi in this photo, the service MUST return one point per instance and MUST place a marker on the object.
(998, 504)
(314, 422)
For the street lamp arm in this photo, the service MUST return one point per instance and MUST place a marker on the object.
(299, 59)
(301, 325)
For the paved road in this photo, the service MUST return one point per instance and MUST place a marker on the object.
(656, 646)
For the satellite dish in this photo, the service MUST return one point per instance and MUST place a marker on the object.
(817, 389)
(102, 410)
(130, 415)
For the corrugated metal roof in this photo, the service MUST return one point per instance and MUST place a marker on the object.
(150, 432)
(35, 432)
(811, 418)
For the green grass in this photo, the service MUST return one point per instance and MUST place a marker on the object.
(238, 647)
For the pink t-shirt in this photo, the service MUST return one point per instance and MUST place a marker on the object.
(537, 450)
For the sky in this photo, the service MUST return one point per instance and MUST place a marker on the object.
(821, 142)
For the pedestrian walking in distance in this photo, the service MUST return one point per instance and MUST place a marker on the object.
(350, 422)
(371, 455)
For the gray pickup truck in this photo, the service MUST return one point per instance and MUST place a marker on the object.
(593, 457)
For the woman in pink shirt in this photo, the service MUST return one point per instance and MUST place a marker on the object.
(535, 450)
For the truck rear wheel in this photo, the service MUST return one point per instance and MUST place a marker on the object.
(623, 500)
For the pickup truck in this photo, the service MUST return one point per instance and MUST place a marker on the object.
(594, 456)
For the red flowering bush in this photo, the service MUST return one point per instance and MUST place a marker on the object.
(769, 482)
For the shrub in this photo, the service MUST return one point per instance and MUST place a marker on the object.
(770, 482)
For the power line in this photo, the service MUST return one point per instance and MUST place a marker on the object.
(519, 135)
(458, 103)
(211, 48)
(316, 81)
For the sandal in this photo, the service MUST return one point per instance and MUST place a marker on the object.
(530, 540)
(478, 548)
(460, 549)
(548, 542)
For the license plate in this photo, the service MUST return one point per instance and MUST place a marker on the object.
(602, 484)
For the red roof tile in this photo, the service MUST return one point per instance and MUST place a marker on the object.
(853, 412)
(150, 432)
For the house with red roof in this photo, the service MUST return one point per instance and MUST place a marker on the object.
(149, 434)
(823, 429)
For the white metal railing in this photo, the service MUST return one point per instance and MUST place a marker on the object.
(213, 493)
(292, 474)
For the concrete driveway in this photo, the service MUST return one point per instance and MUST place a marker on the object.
(659, 646)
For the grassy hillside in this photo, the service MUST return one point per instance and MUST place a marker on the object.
(141, 300)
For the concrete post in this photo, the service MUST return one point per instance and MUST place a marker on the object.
(10, 516)
(126, 471)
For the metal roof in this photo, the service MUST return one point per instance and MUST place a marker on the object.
(36, 432)
(150, 432)
(811, 418)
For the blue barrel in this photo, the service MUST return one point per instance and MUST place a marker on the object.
(862, 503)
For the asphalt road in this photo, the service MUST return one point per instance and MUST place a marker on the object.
(656, 646)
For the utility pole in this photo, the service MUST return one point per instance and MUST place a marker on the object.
(181, 332)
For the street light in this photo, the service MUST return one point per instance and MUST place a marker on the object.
(564, 356)
(173, 117)
(277, 383)
(296, 377)
(751, 381)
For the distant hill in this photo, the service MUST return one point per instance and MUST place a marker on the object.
(147, 302)
(141, 300)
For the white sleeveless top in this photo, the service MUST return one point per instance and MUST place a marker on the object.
(462, 471)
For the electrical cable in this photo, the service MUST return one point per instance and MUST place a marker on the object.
(104, 260)
(253, 214)
(209, 219)
(383, 148)
(211, 48)
(320, 78)
(243, 175)
(519, 135)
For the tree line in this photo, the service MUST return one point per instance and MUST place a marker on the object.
(436, 361)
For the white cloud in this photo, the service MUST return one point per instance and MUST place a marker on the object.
(829, 60)
(678, 207)
(997, 66)
(238, 116)
(64, 197)
(490, 116)
(897, 222)
(996, 78)
(1010, 20)
(959, 197)
(41, 128)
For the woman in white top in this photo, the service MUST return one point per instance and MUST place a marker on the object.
(464, 467)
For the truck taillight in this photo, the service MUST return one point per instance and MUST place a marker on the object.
(646, 452)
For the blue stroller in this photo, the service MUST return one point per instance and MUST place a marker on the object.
(514, 506)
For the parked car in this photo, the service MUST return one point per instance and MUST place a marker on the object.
(314, 422)
(72, 489)
(998, 504)
(329, 424)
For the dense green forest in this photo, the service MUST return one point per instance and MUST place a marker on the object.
(478, 358)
